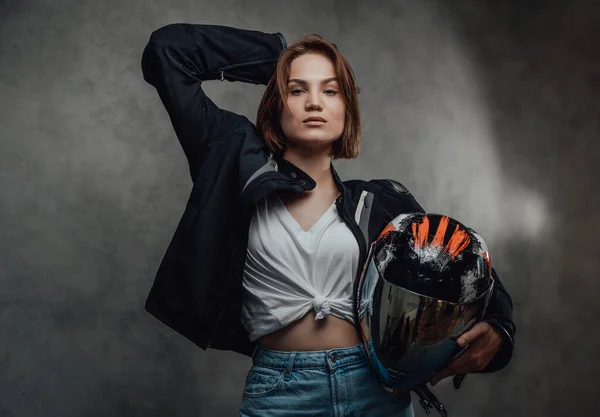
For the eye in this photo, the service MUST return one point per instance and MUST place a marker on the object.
(330, 92)
(296, 91)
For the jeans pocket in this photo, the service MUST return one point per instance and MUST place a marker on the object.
(262, 381)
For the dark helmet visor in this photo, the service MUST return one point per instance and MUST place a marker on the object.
(412, 335)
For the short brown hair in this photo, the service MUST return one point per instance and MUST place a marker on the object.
(274, 97)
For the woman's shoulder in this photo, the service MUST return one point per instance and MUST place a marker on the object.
(391, 194)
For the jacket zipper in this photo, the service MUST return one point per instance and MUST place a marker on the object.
(226, 71)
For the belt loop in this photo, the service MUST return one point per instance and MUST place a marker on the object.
(290, 364)
(254, 352)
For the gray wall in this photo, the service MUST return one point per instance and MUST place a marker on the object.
(487, 111)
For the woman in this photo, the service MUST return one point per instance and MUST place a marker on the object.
(265, 258)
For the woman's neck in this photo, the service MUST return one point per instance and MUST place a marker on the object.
(315, 164)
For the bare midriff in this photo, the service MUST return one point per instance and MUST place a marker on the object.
(308, 334)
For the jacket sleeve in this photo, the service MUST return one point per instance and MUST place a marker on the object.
(179, 57)
(500, 315)
(500, 309)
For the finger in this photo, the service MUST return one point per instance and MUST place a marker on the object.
(441, 374)
(464, 363)
(475, 333)
(458, 380)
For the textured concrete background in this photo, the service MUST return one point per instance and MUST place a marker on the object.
(487, 111)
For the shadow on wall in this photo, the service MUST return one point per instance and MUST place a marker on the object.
(539, 69)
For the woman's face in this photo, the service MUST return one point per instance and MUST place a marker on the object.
(315, 113)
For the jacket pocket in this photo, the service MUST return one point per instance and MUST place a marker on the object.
(262, 381)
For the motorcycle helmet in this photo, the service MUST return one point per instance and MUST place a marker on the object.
(427, 279)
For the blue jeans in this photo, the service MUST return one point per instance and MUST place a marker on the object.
(335, 382)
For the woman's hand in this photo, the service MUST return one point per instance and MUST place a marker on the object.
(483, 342)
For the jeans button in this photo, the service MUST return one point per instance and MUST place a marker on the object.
(333, 357)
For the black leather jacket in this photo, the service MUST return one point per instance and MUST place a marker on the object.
(198, 286)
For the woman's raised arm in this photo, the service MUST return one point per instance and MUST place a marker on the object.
(178, 57)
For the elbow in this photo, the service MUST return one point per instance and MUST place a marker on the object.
(168, 33)
(178, 33)
(155, 52)
(149, 62)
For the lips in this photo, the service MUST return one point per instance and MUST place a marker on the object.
(314, 119)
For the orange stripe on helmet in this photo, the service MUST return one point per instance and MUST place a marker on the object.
(458, 242)
(420, 232)
(389, 228)
(438, 240)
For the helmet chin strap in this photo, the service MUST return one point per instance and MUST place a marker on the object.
(428, 400)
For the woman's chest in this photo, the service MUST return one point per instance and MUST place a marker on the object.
(308, 209)
(275, 230)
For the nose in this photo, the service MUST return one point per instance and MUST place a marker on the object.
(313, 100)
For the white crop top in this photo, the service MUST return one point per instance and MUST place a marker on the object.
(289, 271)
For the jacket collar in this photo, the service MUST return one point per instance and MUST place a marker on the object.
(294, 173)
